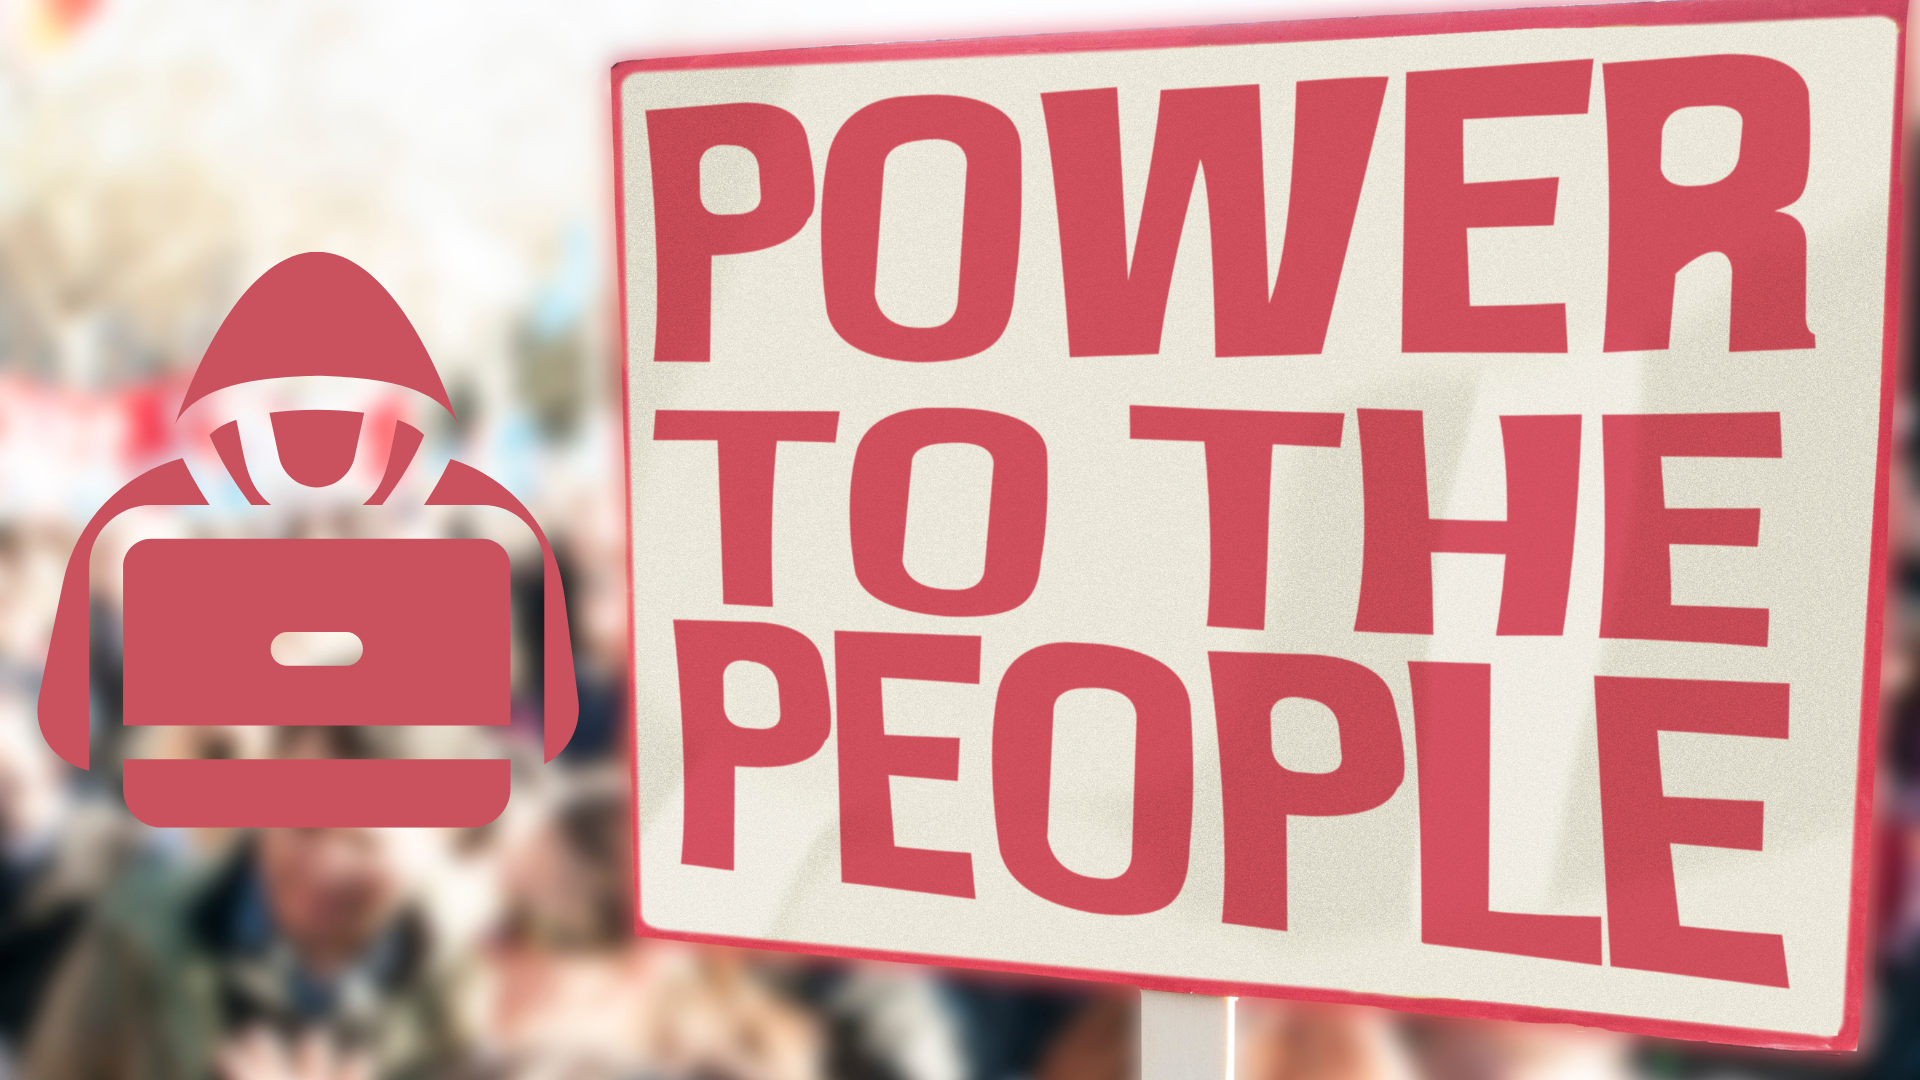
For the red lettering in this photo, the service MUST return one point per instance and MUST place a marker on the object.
(1436, 312)
(1016, 509)
(989, 231)
(869, 756)
(1639, 825)
(1115, 308)
(1452, 717)
(1655, 226)
(1543, 488)
(747, 444)
(1239, 448)
(1636, 593)
(1162, 775)
(714, 746)
(1258, 794)
(687, 236)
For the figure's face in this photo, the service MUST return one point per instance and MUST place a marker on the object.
(330, 891)
(317, 446)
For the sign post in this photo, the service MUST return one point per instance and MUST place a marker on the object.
(1185, 1036)
(1372, 510)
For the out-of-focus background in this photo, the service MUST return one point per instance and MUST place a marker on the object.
(154, 159)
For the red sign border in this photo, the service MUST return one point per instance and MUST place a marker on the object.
(1654, 13)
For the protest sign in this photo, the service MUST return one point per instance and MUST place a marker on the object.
(1383, 510)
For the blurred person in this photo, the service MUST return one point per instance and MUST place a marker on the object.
(1447, 1048)
(40, 899)
(885, 1021)
(1101, 1042)
(32, 561)
(568, 980)
(1007, 1024)
(56, 854)
(1275, 1040)
(57, 849)
(299, 957)
(566, 990)
(258, 1055)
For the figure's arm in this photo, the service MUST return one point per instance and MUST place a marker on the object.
(464, 485)
(63, 687)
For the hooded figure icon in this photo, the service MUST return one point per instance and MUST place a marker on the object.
(431, 615)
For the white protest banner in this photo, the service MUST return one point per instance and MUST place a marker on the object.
(1377, 510)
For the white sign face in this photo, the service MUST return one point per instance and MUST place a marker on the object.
(1374, 510)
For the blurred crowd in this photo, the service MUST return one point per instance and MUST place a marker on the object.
(154, 159)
